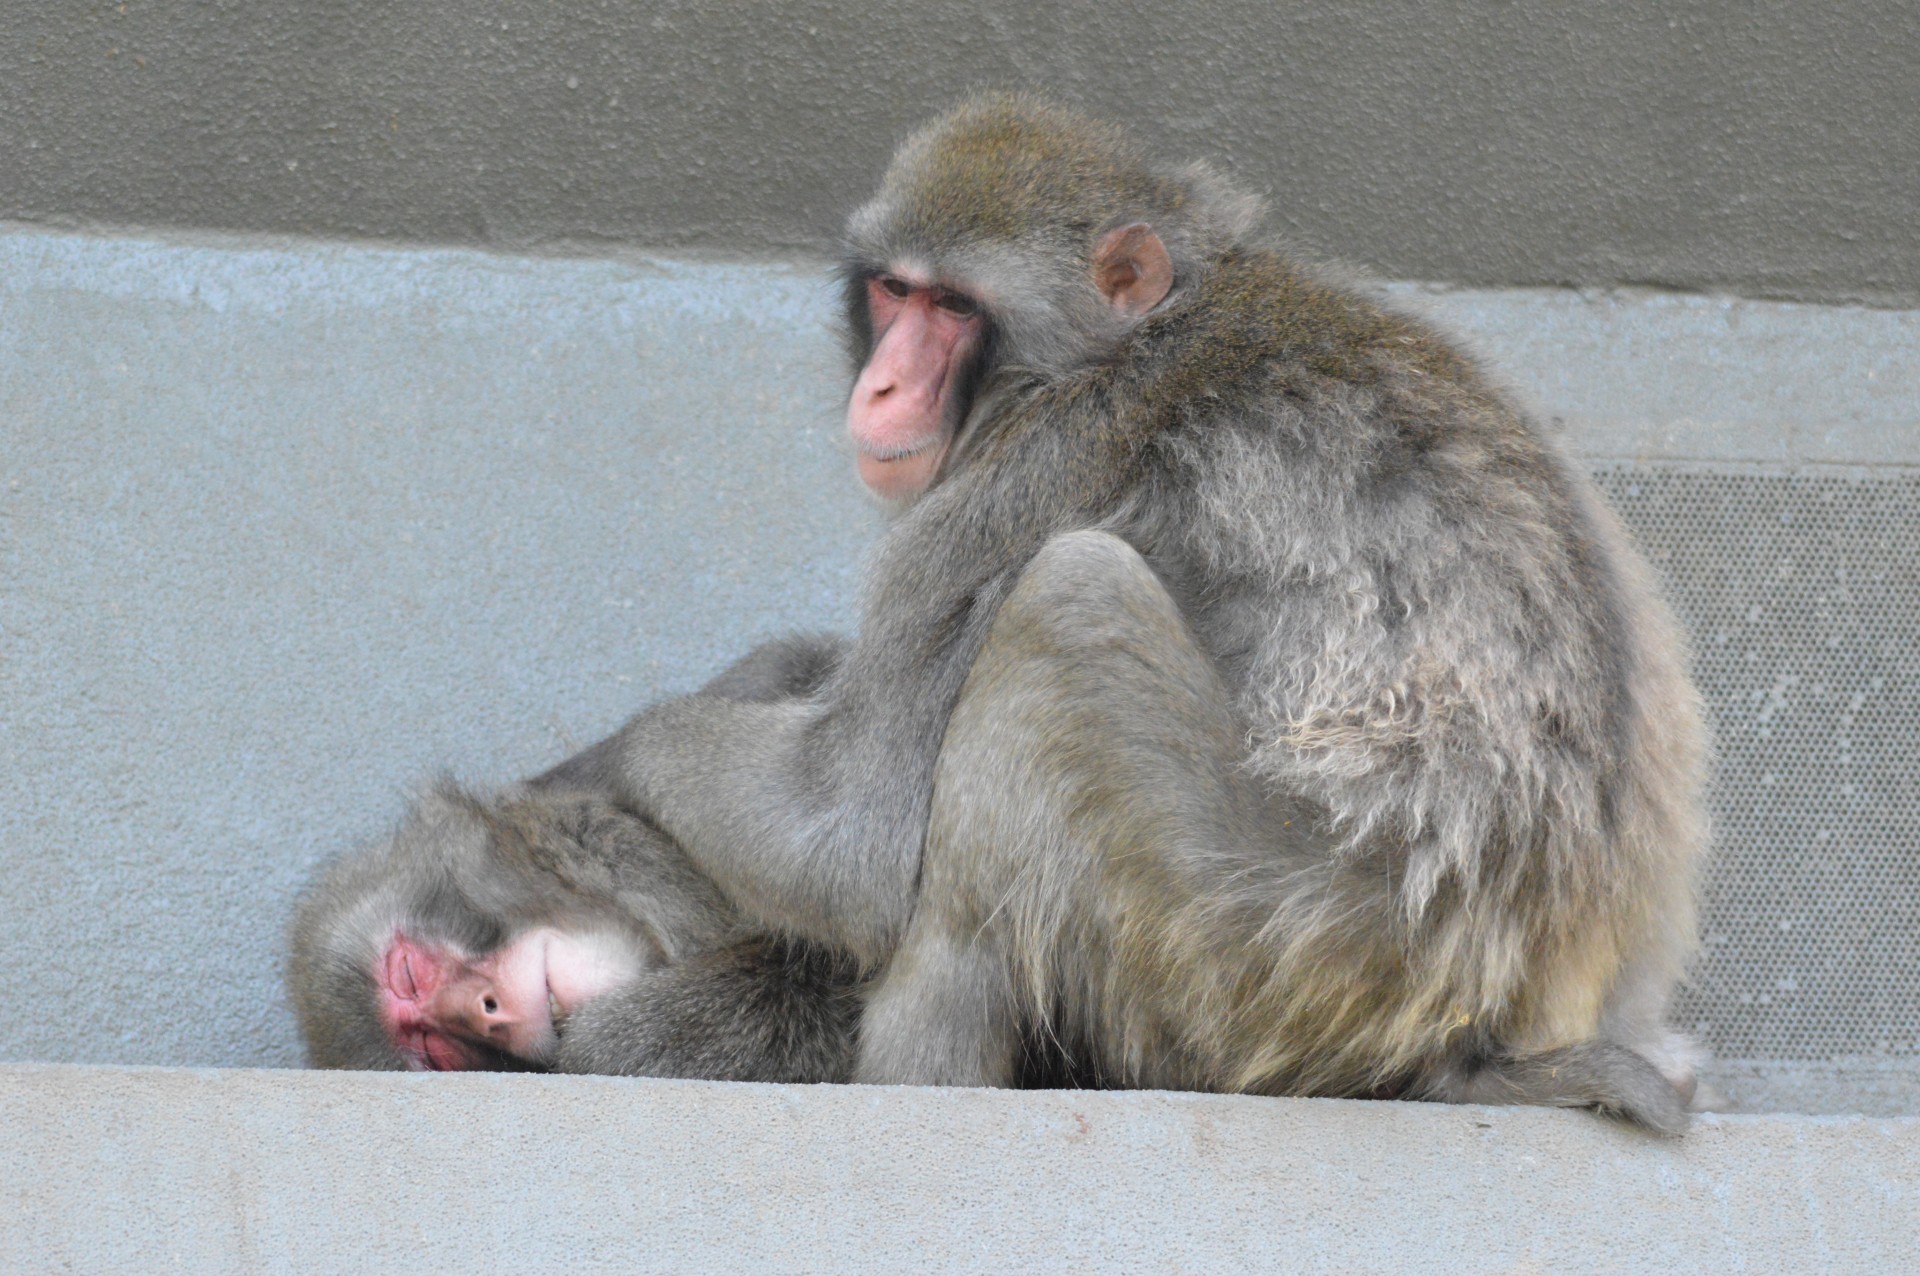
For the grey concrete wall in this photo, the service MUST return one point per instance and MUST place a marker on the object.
(284, 530)
(285, 527)
(107, 1170)
(1763, 149)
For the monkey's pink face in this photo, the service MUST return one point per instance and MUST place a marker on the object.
(438, 1004)
(906, 403)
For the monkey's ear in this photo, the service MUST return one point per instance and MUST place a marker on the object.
(1132, 270)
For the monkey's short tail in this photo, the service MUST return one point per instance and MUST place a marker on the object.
(1593, 1074)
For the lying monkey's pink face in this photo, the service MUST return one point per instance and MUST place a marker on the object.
(906, 403)
(438, 1003)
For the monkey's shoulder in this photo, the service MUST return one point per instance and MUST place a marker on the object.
(1259, 324)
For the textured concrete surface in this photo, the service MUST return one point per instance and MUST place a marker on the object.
(1759, 149)
(287, 526)
(192, 1171)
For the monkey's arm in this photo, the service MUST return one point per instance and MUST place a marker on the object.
(809, 813)
(794, 665)
(761, 1010)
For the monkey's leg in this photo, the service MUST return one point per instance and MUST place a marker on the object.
(942, 1015)
(1592, 1074)
(1090, 830)
(1091, 752)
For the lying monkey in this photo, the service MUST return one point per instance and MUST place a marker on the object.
(550, 928)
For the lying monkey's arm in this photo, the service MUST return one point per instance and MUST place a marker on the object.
(808, 814)
(780, 669)
(759, 1010)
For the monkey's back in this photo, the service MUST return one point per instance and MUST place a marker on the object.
(1440, 640)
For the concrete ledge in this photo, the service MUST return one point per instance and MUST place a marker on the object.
(117, 1169)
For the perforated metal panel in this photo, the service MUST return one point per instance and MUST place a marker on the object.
(1802, 591)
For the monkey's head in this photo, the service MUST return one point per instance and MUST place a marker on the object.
(464, 940)
(1010, 235)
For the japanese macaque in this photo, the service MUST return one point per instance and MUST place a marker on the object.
(548, 928)
(1247, 696)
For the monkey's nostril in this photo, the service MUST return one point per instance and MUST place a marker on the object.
(489, 1005)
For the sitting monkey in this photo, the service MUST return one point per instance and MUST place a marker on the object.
(1246, 688)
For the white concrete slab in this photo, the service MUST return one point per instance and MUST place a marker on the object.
(112, 1169)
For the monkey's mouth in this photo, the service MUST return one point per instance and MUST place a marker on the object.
(556, 1013)
(902, 473)
(901, 453)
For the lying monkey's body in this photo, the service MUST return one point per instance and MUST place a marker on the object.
(675, 983)
(640, 966)
(545, 926)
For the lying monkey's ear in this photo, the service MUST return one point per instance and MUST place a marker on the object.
(1132, 270)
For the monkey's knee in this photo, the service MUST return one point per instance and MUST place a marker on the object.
(1086, 557)
(1090, 650)
(1091, 587)
(1090, 686)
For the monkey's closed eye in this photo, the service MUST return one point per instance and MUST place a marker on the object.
(956, 304)
(895, 287)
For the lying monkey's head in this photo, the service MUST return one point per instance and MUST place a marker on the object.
(464, 940)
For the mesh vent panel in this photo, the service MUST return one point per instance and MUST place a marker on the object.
(1802, 592)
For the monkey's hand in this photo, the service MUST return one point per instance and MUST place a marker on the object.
(784, 668)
